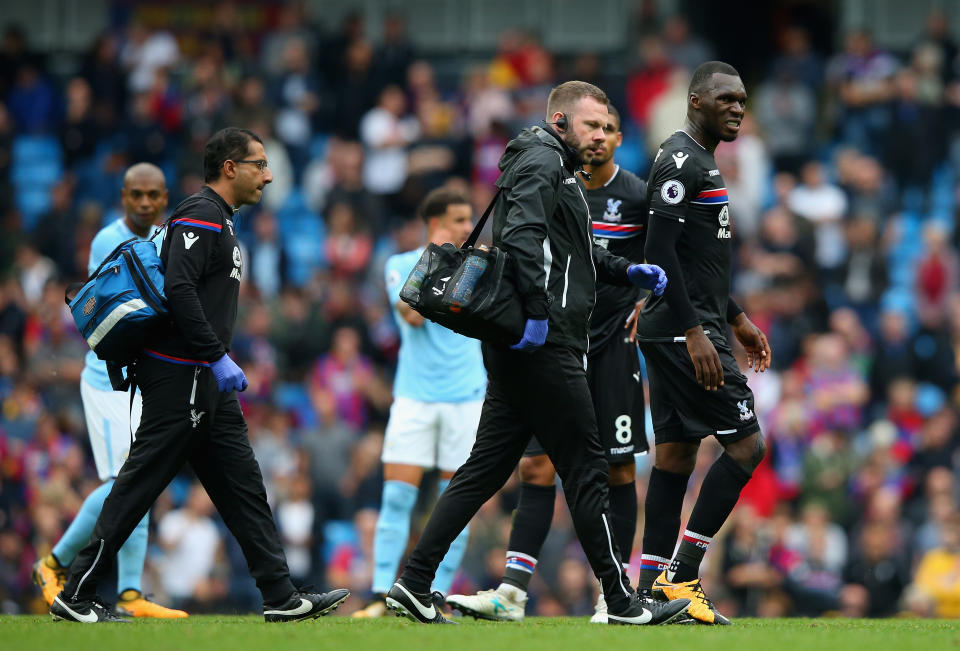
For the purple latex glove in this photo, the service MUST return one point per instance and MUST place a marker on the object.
(228, 374)
(648, 276)
(534, 335)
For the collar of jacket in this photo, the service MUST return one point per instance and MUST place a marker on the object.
(551, 138)
(210, 192)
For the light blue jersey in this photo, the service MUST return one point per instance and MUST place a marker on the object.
(435, 364)
(109, 238)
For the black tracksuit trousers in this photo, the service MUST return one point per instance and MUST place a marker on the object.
(543, 393)
(186, 419)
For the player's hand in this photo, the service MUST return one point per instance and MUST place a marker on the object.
(534, 335)
(648, 276)
(630, 325)
(754, 342)
(706, 361)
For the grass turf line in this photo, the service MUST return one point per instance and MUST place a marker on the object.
(225, 633)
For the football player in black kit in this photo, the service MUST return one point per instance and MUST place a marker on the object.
(618, 209)
(696, 388)
(190, 409)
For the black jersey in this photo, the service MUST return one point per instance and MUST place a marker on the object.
(685, 186)
(618, 211)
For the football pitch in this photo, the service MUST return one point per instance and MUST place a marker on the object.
(223, 633)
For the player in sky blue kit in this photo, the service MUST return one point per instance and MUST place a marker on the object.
(438, 394)
(109, 417)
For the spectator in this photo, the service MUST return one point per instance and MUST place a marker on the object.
(862, 78)
(683, 48)
(797, 59)
(144, 53)
(297, 94)
(395, 53)
(191, 544)
(786, 110)
(824, 206)
(875, 577)
(936, 587)
(385, 132)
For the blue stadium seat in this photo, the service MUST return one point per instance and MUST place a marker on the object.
(35, 166)
(293, 397)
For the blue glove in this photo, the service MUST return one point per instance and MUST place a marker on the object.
(228, 374)
(648, 276)
(534, 335)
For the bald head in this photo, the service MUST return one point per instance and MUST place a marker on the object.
(144, 197)
(147, 172)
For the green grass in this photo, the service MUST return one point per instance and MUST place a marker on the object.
(221, 633)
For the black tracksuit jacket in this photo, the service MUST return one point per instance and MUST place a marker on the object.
(543, 222)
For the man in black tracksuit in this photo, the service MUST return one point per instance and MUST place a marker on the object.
(190, 407)
(539, 385)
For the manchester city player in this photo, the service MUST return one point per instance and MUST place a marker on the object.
(110, 420)
(438, 394)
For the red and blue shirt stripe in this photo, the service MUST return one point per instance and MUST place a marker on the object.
(616, 231)
(710, 197)
(186, 361)
(196, 223)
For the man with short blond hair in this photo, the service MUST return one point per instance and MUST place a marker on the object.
(538, 386)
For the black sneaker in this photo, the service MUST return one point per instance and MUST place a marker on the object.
(681, 619)
(418, 607)
(640, 611)
(306, 605)
(83, 612)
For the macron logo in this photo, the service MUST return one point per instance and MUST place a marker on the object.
(189, 239)
(680, 158)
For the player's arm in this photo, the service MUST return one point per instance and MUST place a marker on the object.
(394, 274)
(192, 242)
(98, 251)
(529, 203)
(611, 268)
(672, 187)
(750, 337)
(409, 315)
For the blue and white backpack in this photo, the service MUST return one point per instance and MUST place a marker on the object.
(119, 303)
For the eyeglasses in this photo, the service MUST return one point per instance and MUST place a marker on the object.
(260, 163)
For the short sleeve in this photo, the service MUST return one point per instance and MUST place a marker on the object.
(395, 274)
(673, 180)
(98, 251)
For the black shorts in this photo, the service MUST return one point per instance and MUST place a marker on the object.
(616, 387)
(683, 410)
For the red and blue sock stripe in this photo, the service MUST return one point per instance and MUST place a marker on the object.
(651, 562)
(522, 562)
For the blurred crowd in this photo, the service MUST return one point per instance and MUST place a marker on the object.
(843, 189)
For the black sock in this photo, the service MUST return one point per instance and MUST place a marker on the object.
(661, 523)
(718, 495)
(623, 518)
(531, 524)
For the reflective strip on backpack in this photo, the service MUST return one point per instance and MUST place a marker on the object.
(107, 324)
